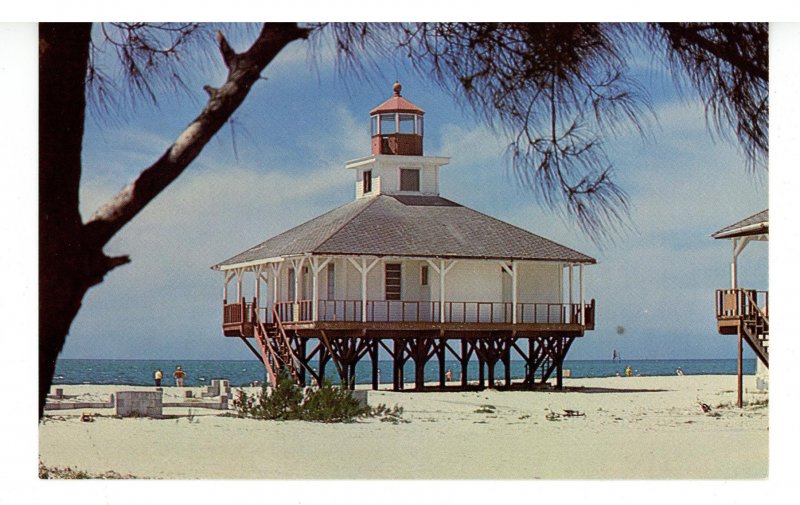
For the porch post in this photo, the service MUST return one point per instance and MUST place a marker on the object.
(514, 292)
(239, 274)
(583, 305)
(228, 277)
(264, 275)
(442, 268)
(257, 271)
(364, 269)
(276, 281)
(314, 293)
(298, 268)
(734, 243)
(570, 283)
(363, 289)
(316, 266)
(442, 273)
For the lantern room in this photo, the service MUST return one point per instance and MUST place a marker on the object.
(396, 126)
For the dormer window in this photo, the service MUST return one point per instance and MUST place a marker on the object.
(409, 179)
(367, 183)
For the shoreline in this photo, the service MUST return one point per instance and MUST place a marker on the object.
(632, 428)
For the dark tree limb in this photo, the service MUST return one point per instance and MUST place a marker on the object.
(71, 258)
(243, 71)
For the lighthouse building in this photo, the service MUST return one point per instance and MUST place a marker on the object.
(404, 272)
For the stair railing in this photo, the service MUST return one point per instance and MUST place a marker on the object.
(292, 362)
(754, 308)
(267, 352)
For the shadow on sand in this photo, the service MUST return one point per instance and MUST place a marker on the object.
(584, 389)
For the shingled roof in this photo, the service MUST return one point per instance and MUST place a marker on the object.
(757, 224)
(413, 226)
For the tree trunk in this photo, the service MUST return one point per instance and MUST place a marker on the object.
(64, 266)
(71, 258)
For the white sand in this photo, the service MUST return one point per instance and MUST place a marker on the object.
(633, 428)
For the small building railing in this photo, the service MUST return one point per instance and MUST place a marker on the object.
(741, 303)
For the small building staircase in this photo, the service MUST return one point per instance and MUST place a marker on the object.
(755, 329)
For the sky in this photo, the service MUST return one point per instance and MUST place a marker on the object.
(283, 164)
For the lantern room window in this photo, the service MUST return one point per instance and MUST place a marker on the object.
(407, 123)
(388, 124)
(373, 125)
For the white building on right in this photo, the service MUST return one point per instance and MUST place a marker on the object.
(742, 311)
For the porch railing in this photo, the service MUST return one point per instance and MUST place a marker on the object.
(237, 313)
(429, 311)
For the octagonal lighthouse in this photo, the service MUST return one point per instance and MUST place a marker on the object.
(406, 273)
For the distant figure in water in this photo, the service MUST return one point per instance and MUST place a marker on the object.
(628, 371)
(158, 376)
(179, 376)
(449, 375)
(615, 356)
(679, 371)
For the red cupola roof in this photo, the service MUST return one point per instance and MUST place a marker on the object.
(397, 103)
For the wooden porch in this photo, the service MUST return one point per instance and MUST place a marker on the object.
(290, 335)
(378, 315)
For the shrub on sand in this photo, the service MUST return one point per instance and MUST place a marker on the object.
(327, 404)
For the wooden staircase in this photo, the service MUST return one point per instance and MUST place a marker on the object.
(755, 329)
(276, 350)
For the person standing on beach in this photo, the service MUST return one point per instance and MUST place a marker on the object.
(179, 376)
(158, 376)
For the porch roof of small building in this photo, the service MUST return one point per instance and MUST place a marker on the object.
(411, 226)
(757, 224)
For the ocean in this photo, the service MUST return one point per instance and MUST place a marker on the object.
(240, 373)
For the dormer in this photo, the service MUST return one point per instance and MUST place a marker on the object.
(397, 165)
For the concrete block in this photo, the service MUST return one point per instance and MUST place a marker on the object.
(361, 396)
(139, 403)
(218, 387)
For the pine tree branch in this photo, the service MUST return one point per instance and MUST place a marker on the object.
(244, 69)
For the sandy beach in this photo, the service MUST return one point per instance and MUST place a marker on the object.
(632, 428)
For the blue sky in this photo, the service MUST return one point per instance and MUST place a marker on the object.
(294, 134)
